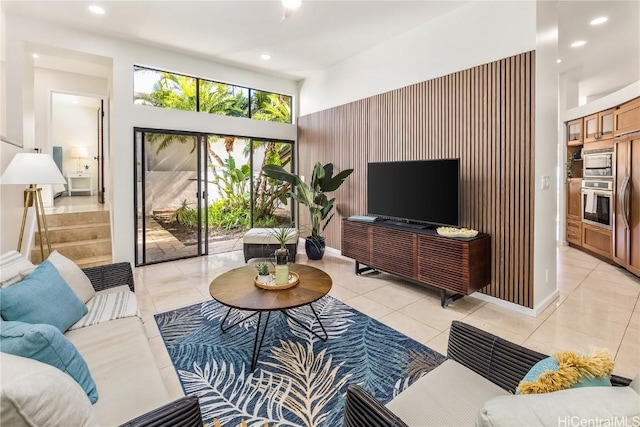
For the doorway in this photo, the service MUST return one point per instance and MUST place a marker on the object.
(197, 194)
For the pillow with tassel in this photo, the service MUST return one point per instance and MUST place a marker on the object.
(568, 369)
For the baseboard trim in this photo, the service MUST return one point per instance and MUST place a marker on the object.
(533, 312)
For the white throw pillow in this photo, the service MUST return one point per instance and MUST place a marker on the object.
(106, 306)
(36, 394)
(73, 275)
(13, 266)
(574, 406)
(635, 383)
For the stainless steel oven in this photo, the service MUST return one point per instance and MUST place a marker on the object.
(597, 203)
(598, 164)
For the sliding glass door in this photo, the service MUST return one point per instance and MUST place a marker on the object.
(169, 191)
(197, 194)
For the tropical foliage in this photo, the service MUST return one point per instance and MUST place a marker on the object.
(313, 195)
(183, 93)
(230, 177)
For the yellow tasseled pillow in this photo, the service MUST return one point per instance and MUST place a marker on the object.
(568, 369)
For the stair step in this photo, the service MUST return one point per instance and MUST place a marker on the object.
(77, 218)
(76, 250)
(71, 233)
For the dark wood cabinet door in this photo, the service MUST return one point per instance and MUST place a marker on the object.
(394, 251)
(356, 241)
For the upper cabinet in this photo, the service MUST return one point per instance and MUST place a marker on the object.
(574, 128)
(627, 117)
(599, 126)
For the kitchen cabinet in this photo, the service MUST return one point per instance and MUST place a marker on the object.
(574, 132)
(597, 240)
(627, 118)
(599, 126)
(574, 210)
(626, 219)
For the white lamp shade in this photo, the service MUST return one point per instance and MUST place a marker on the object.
(79, 152)
(32, 168)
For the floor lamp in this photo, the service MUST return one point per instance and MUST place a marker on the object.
(33, 169)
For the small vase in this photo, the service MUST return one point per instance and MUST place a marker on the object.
(282, 266)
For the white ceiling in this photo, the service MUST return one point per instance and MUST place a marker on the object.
(611, 58)
(322, 33)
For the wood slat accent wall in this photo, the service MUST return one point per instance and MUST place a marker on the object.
(484, 116)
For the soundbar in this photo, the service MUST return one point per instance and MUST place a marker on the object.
(363, 218)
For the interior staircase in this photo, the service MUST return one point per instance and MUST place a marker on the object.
(83, 237)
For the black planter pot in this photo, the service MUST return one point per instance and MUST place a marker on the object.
(314, 248)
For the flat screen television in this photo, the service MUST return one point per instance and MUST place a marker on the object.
(421, 191)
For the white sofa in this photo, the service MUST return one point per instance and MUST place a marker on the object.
(117, 353)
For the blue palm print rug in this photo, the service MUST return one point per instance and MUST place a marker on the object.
(299, 380)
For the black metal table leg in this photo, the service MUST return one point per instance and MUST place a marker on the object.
(256, 346)
(223, 329)
(305, 326)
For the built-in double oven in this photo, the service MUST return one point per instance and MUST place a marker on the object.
(597, 188)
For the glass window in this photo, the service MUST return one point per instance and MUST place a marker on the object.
(168, 90)
(162, 89)
(223, 99)
(270, 107)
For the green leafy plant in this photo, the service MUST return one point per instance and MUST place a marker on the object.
(263, 269)
(222, 214)
(282, 234)
(313, 195)
(569, 164)
(185, 215)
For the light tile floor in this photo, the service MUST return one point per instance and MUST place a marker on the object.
(598, 306)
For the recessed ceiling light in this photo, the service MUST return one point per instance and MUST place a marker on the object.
(291, 4)
(35, 56)
(599, 20)
(578, 43)
(558, 61)
(265, 56)
(97, 10)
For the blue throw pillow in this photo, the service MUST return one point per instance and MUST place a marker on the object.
(42, 297)
(46, 344)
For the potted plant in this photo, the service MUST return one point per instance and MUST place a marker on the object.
(313, 196)
(263, 272)
(282, 254)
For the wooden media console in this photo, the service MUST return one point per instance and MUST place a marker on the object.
(460, 266)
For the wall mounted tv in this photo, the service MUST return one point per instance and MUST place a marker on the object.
(421, 191)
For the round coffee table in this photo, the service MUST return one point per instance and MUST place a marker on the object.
(236, 290)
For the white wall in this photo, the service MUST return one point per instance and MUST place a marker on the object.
(124, 116)
(475, 34)
(546, 151)
(76, 126)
